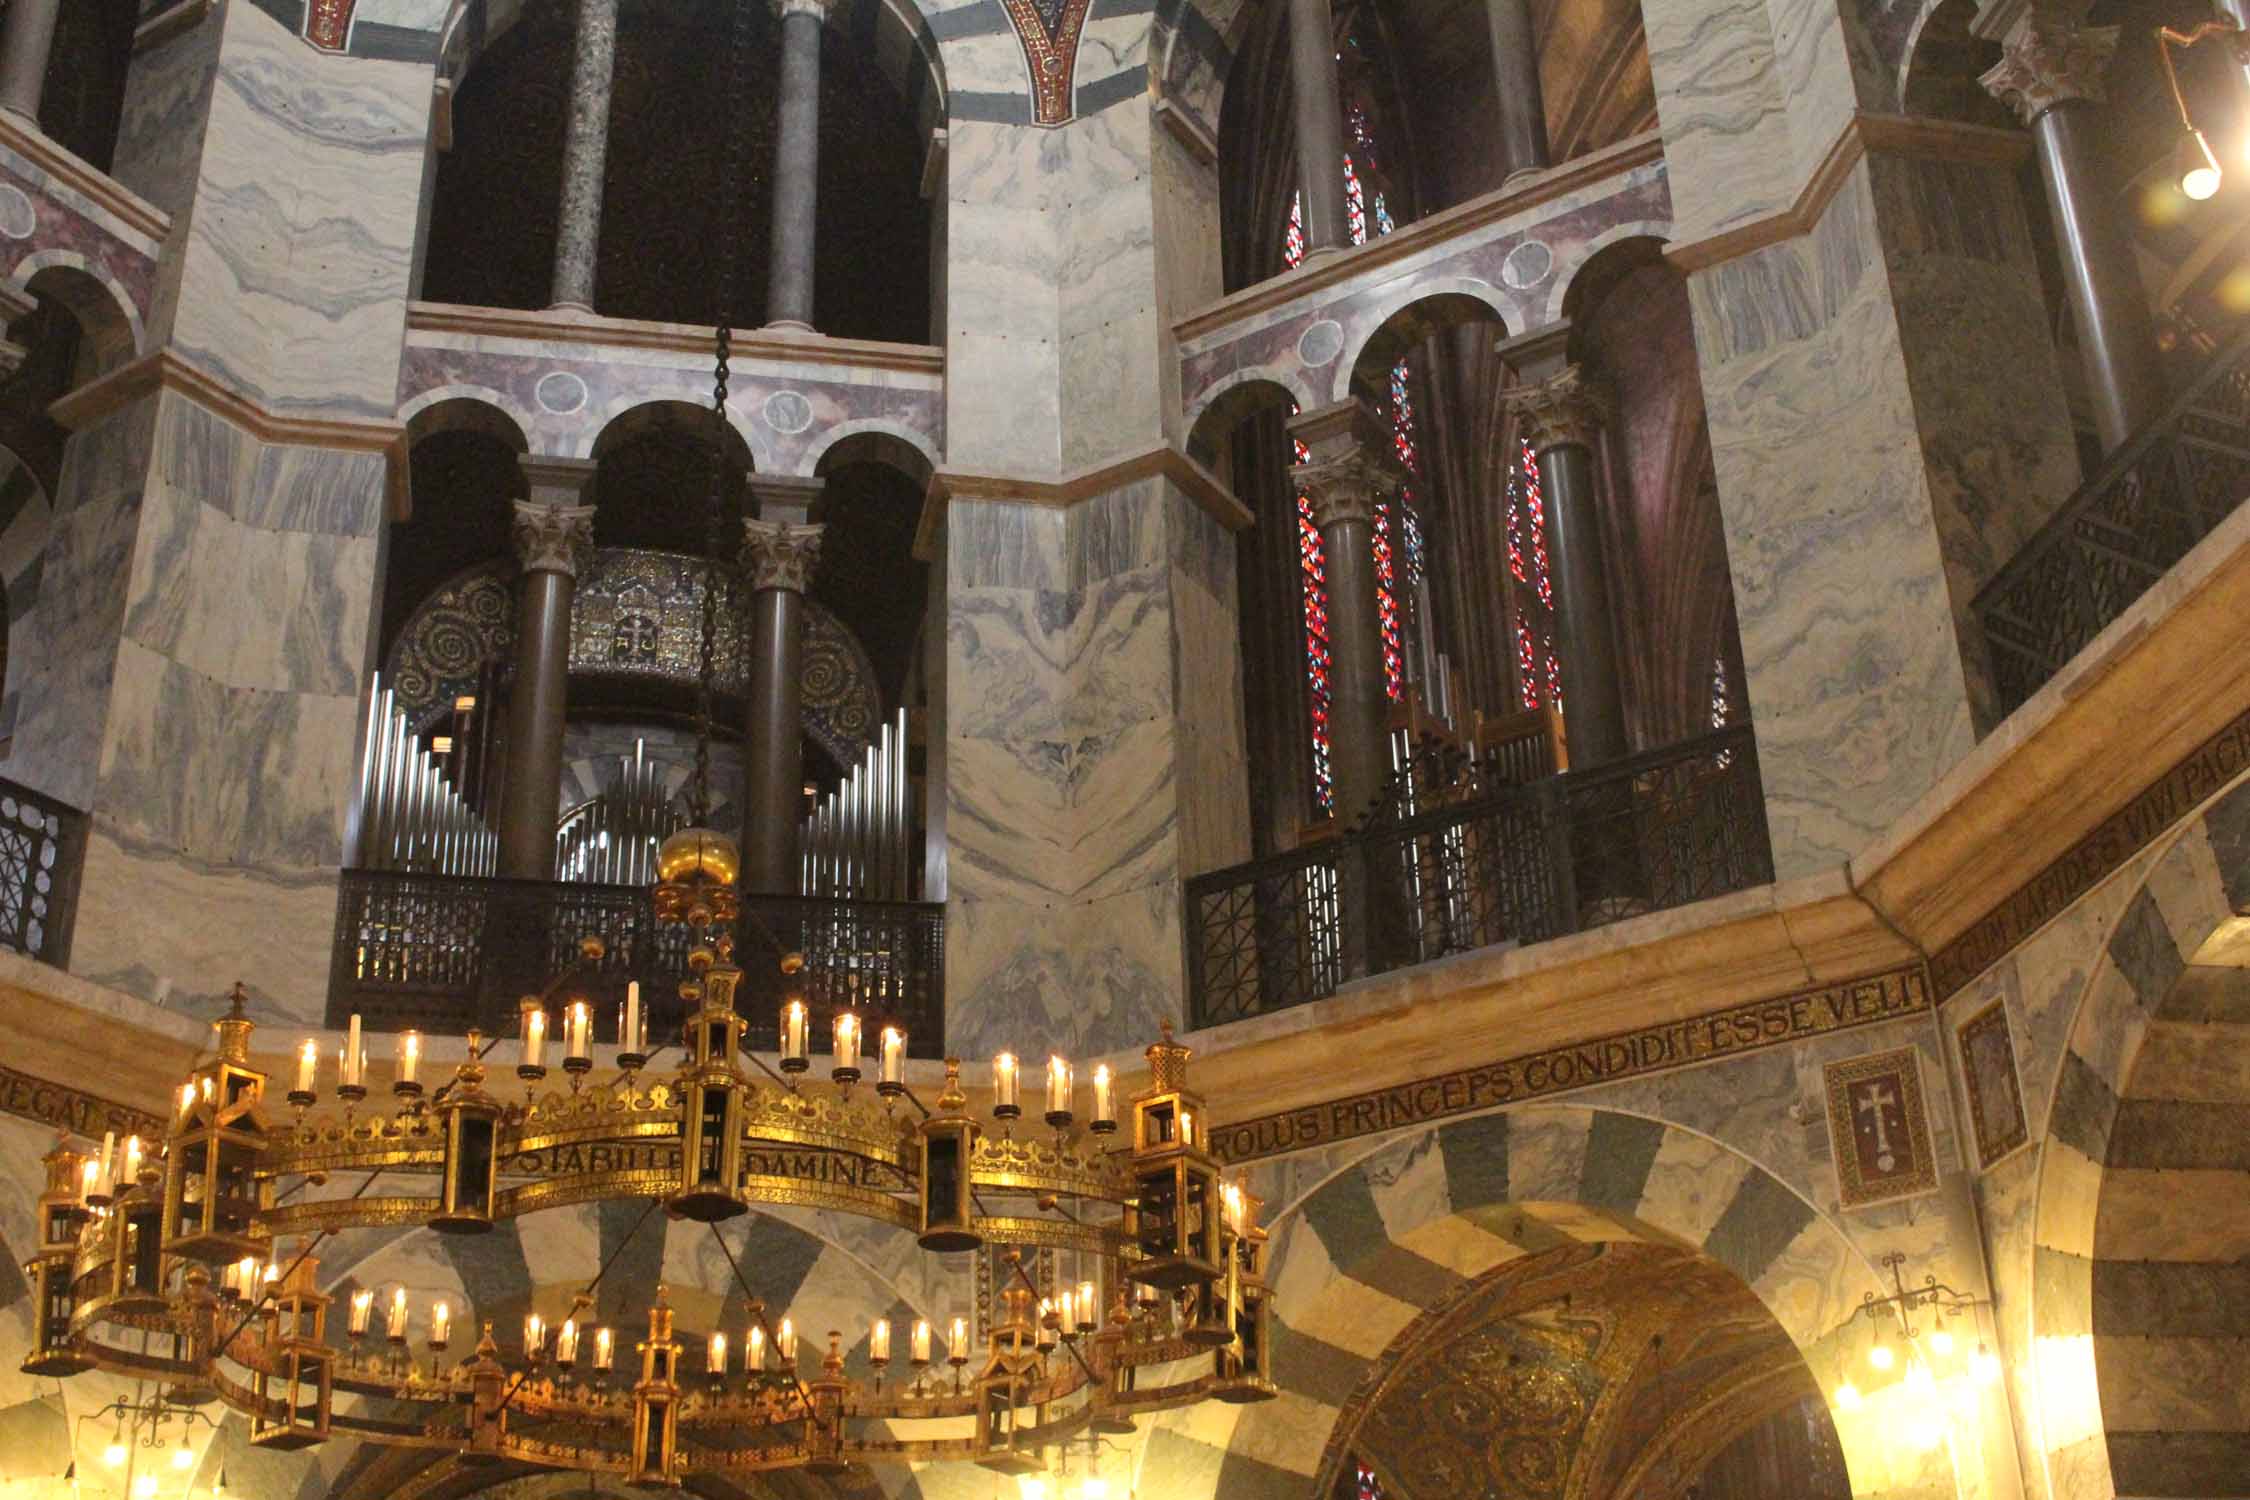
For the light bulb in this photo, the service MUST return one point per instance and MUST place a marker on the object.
(2197, 167)
(114, 1455)
(1984, 1365)
(144, 1486)
(1030, 1487)
(181, 1458)
(1941, 1342)
(1847, 1397)
(1925, 1433)
(1919, 1379)
(1094, 1488)
(1879, 1355)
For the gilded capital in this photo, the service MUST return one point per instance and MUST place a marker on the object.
(1564, 408)
(1342, 489)
(554, 538)
(2046, 62)
(780, 554)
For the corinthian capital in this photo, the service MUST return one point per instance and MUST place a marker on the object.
(1564, 408)
(780, 555)
(1342, 489)
(554, 538)
(2046, 62)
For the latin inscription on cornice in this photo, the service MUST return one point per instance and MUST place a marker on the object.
(1631, 1054)
(84, 1115)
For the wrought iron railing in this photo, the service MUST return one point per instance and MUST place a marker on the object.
(446, 952)
(1520, 863)
(2136, 516)
(42, 844)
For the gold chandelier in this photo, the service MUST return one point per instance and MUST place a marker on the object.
(166, 1262)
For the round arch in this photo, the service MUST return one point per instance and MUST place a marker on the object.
(1567, 291)
(27, 520)
(875, 440)
(111, 331)
(1424, 310)
(688, 421)
(2189, 906)
(463, 409)
(1371, 1243)
(1224, 403)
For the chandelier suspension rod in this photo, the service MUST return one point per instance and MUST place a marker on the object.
(758, 1311)
(584, 1298)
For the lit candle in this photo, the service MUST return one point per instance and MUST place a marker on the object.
(1104, 1112)
(1187, 1128)
(105, 1183)
(1004, 1081)
(272, 1271)
(1087, 1321)
(1232, 1193)
(921, 1341)
(534, 1334)
(754, 1348)
(363, 1307)
(409, 1055)
(957, 1339)
(629, 1034)
(605, 1345)
(716, 1361)
(847, 1041)
(308, 1065)
(785, 1343)
(1058, 1086)
(894, 1055)
(132, 1160)
(566, 1342)
(246, 1278)
(355, 1056)
(879, 1342)
(578, 1031)
(793, 1031)
(396, 1328)
(534, 1038)
(89, 1177)
(441, 1324)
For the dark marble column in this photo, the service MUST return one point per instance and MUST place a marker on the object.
(1320, 125)
(1560, 414)
(1351, 468)
(554, 542)
(779, 552)
(585, 154)
(1515, 69)
(796, 167)
(27, 35)
(2050, 73)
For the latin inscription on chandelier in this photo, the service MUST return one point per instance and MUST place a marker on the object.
(797, 1166)
(1742, 1028)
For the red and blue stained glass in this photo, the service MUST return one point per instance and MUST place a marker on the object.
(1370, 1488)
(1535, 600)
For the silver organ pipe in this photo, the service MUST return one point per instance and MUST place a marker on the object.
(409, 817)
(857, 840)
(612, 839)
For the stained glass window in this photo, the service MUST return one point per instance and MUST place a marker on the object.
(1370, 1488)
(1538, 670)
(1398, 545)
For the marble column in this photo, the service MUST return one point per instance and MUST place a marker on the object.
(585, 154)
(779, 552)
(1320, 125)
(1515, 67)
(26, 37)
(554, 542)
(796, 167)
(1561, 413)
(2050, 73)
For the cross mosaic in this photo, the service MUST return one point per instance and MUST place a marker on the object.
(1049, 31)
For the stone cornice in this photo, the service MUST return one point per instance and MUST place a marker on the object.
(1162, 462)
(84, 179)
(1864, 135)
(1329, 271)
(167, 370)
(558, 325)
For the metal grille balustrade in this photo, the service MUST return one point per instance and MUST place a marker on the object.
(2136, 516)
(444, 953)
(1509, 863)
(42, 844)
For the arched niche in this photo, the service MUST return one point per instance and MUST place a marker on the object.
(689, 166)
(27, 520)
(1663, 535)
(653, 481)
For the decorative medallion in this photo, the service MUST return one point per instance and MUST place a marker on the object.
(788, 411)
(1320, 344)
(1049, 31)
(1878, 1127)
(328, 24)
(1527, 265)
(560, 393)
(1988, 1065)
(17, 217)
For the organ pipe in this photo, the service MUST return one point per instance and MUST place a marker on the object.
(613, 839)
(857, 840)
(408, 816)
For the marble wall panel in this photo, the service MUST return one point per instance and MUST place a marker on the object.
(296, 297)
(1855, 675)
(1720, 96)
